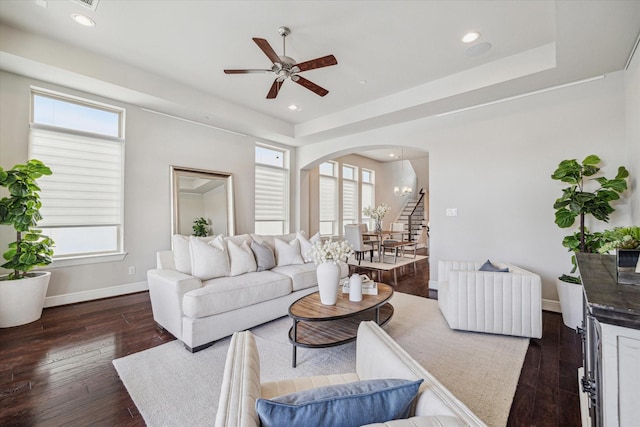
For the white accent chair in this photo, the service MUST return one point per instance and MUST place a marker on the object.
(378, 356)
(493, 302)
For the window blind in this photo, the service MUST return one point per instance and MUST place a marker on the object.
(271, 194)
(85, 188)
(349, 200)
(328, 198)
(368, 195)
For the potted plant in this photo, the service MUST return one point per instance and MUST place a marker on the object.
(625, 241)
(22, 292)
(200, 227)
(326, 257)
(586, 195)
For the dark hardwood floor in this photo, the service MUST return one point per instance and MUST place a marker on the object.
(57, 371)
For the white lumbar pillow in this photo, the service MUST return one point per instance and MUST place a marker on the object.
(307, 244)
(241, 257)
(209, 259)
(288, 253)
(181, 253)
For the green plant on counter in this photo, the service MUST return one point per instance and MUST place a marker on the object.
(200, 227)
(620, 238)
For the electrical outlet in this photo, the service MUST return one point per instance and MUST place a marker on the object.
(452, 212)
(132, 270)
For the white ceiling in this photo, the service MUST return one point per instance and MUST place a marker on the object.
(408, 52)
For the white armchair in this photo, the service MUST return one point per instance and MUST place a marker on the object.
(493, 302)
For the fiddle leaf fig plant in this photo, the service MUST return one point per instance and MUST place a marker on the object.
(578, 201)
(21, 209)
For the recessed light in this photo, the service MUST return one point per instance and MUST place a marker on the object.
(293, 107)
(83, 20)
(470, 37)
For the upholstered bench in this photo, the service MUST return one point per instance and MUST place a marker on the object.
(378, 357)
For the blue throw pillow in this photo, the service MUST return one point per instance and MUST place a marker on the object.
(487, 266)
(344, 405)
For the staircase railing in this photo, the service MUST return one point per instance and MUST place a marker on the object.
(419, 203)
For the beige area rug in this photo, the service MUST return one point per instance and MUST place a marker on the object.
(172, 387)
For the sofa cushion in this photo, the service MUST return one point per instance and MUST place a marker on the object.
(303, 276)
(241, 258)
(288, 253)
(265, 259)
(307, 244)
(270, 240)
(230, 293)
(424, 421)
(354, 404)
(209, 259)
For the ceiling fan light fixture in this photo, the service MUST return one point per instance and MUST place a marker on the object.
(470, 37)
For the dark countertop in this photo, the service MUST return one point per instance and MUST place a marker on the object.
(609, 301)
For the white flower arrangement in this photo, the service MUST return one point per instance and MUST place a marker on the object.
(378, 213)
(330, 251)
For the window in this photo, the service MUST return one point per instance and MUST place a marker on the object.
(329, 199)
(272, 190)
(368, 192)
(82, 201)
(350, 195)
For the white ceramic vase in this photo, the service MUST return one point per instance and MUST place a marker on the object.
(355, 288)
(328, 274)
(21, 301)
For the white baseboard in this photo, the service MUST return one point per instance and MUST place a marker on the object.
(551, 305)
(94, 294)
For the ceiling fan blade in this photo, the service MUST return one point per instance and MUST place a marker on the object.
(325, 61)
(267, 49)
(275, 88)
(310, 85)
(247, 71)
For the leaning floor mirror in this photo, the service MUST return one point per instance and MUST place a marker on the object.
(202, 202)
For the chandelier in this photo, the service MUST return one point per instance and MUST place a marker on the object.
(403, 190)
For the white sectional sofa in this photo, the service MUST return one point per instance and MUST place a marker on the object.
(208, 288)
(496, 302)
(378, 357)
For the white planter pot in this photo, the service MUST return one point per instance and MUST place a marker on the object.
(328, 274)
(21, 301)
(570, 295)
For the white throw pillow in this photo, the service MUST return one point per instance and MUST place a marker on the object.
(288, 253)
(181, 253)
(241, 258)
(209, 259)
(307, 244)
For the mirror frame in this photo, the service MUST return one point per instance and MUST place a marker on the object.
(178, 171)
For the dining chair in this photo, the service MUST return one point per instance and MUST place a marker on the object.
(353, 235)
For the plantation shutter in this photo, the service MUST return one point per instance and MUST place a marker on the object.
(85, 188)
(270, 194)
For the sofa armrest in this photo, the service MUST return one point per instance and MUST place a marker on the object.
(378, 356)
(240, 384)
(166, 289)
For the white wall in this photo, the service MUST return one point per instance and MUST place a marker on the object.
(632, 92)
(153, 143)
(494, 164)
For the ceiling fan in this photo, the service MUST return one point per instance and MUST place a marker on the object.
(285, 67)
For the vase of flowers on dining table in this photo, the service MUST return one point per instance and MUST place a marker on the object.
(377, 214)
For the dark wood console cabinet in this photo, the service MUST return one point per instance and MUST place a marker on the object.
(611, 345)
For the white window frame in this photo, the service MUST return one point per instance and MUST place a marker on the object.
(285, 192)
(42, 129)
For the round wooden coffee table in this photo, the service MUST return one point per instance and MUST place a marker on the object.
(316, 325)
